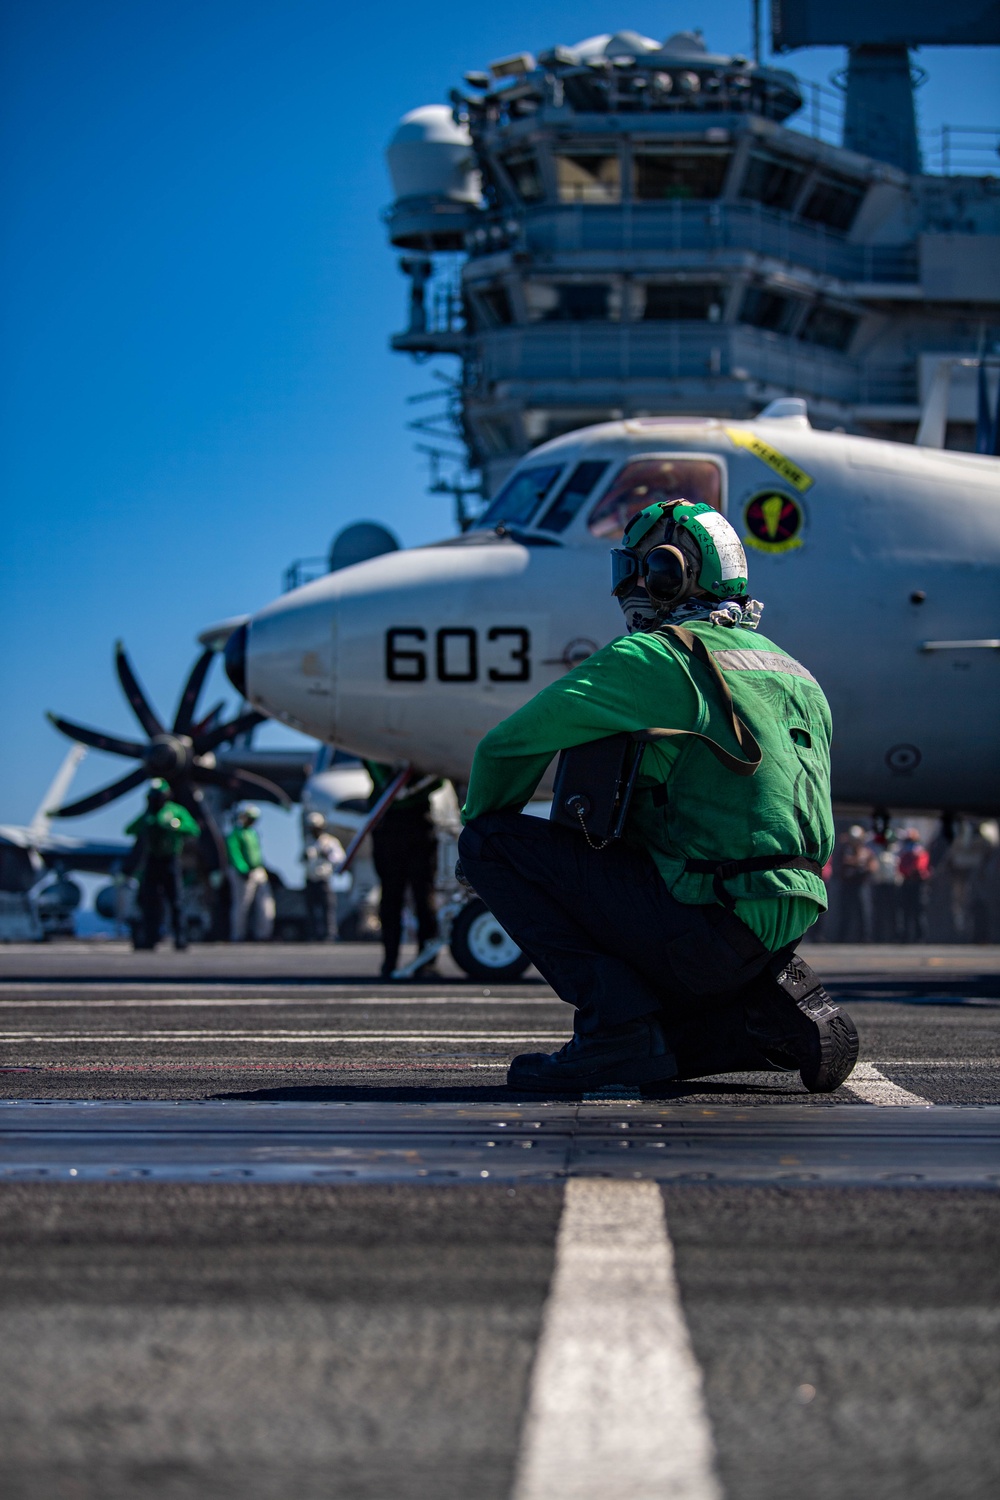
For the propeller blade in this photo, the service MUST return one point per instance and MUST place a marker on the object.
(99, 799)
(243, 783)
(213, 717)
(230, 731)
(138, 701)
(96, 740)
(184, 717)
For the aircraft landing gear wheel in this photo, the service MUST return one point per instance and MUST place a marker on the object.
(480, 946)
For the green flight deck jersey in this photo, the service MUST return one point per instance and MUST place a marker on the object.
(243, 848)
(686, 805)
(165, 831)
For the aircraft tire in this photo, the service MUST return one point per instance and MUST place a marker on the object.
(480, 946)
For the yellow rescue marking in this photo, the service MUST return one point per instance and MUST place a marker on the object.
(789, 471)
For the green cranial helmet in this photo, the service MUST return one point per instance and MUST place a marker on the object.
(714, 550)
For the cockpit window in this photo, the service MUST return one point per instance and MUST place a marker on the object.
(648, 479)
(572, 495)
(521, 496)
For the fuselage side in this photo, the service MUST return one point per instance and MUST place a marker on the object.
(867, 555)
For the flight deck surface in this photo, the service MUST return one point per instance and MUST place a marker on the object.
(316, 1024)
(270, 1225)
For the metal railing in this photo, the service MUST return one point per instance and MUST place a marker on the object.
(303, 570)
(445, 311)
(821, 114)
(708, 227)
(607, 356)
(946, 149)
(963, 150)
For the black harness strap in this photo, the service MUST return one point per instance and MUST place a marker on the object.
(744, 737)
(726, 869)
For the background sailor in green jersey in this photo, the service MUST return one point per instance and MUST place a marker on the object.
(676, 943)
(252, 904)
(160, 833)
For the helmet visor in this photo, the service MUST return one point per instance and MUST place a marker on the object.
(624, 570)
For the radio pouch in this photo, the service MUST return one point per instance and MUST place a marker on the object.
(594, 784)
(595, 781)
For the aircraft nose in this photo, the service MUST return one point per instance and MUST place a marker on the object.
(282, 659)
(235, 658)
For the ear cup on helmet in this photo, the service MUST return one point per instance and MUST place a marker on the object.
(667, 575)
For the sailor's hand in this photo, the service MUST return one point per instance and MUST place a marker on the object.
(460, 876)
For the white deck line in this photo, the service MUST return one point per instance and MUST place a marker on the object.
(867, 1083)
(233, 1001)
(285, 1038)
(615, 1406)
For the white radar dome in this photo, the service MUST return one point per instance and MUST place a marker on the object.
(431, 157)
(685, 43)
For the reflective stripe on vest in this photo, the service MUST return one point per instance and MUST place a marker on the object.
(762, 661)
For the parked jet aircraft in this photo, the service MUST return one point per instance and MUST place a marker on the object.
(34, 862)
(878, 564)
(39, 849)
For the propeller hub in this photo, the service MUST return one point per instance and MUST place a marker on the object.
(169, 755)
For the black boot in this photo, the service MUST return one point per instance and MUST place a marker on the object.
(637, 1052)
(793, 1021)
(717, 1041)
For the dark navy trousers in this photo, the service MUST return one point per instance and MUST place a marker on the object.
(600, 925)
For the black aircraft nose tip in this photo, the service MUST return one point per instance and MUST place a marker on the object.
(236, 659)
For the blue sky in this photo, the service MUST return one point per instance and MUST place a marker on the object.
(197, 302)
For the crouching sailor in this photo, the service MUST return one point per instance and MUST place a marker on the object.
(675, 942)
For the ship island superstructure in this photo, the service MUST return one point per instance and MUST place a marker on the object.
(626, 227)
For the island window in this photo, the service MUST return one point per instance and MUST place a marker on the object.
(671, 176)
(770, 181)
(588, 177)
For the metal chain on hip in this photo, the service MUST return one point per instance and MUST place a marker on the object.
(586, 833)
